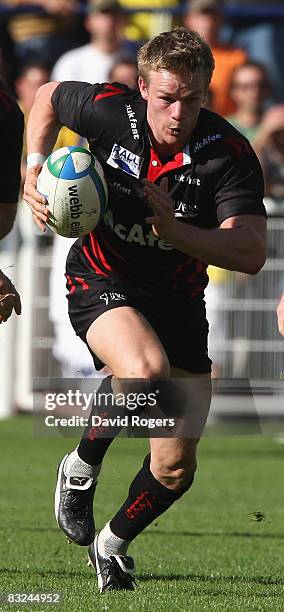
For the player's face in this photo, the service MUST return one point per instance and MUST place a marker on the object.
(174, 102)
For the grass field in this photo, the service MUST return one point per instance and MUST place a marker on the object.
(207, 553)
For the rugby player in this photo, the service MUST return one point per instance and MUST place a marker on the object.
(185, 190)
(11, 128)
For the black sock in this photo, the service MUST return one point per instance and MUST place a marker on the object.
(94, 443)
(147, 499)
(97, 438)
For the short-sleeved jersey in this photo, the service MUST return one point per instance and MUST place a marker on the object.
(11, 130)
(215, 177)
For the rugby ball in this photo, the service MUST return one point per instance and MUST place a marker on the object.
(72, 180)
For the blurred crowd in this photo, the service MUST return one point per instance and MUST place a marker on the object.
(97, 41)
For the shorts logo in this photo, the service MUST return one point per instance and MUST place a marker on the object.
(185, 210)
(125, 160)
(108, 296)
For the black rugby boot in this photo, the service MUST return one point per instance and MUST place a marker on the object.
(74, 506)
(115, 573)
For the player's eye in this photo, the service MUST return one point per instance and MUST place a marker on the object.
(166, 99)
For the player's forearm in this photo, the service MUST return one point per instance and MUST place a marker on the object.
(43, 126)
(240, 249)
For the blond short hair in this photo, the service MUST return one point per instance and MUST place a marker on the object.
(179, 51)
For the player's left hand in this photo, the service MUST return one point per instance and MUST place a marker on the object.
(9, 298)
(163, 221)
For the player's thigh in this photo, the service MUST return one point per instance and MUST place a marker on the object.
(170, 454)
(124, 340)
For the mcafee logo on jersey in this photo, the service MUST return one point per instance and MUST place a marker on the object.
(125, 160)
(206, 141)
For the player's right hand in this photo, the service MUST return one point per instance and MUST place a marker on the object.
(34, 199)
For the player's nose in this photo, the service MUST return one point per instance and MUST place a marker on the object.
(177, 110)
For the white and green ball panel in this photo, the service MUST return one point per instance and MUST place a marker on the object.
(75, 203)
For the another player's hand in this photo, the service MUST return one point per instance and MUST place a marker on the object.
(9, 298)
(34, 199)
(163, 221)
(280, 315)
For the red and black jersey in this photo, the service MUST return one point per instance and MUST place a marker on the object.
(11, 129)
(215, 177)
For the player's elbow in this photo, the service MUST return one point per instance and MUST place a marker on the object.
(256, 255)
(256, 262)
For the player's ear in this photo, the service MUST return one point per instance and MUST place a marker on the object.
(143, 88)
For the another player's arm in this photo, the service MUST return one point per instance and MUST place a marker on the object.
(238, 244)
(42, 131)
(11, 128)
(9, 297)
(7, 217)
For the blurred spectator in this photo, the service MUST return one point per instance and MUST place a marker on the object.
(142, 26)
(249, 91)
(206, 17)
(125, 70)
(92, 62)
(269, 146)
(30, 78)
(262, 38)
(46, 34)
(280, 315)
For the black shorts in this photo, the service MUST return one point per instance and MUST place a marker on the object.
(180, 325)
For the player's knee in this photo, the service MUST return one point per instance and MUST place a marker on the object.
(174, 473)
(154, 369)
